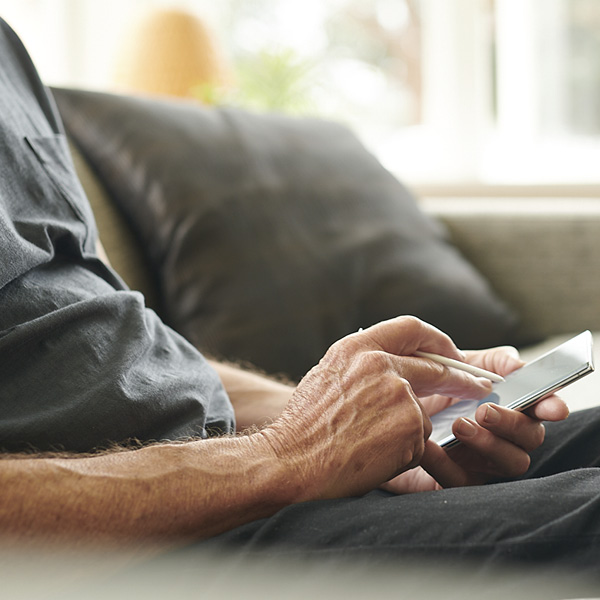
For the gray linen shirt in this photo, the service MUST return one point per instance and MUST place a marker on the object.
(83, 363)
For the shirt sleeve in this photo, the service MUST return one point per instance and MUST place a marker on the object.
(84, 366)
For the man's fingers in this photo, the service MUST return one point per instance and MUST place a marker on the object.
(502, 359)
(442, 468)
(499, 455)
(511, 425)
(428, 377)
(552, 408)
(403, 336)
(399, 338)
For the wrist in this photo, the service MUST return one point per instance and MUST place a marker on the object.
(281, 475)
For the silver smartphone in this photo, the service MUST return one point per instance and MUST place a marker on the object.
(531, 383)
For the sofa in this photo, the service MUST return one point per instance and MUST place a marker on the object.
(262, 238)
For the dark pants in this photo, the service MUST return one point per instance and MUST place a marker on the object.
(550, 517)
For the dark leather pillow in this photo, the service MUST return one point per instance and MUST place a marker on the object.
(271, 236)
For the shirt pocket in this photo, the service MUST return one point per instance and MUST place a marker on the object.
(53, 154)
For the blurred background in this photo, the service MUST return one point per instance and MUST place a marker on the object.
(451, 95)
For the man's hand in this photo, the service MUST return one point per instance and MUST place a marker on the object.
(355, 421)
(496, 444)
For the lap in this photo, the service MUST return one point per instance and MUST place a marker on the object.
(552, 516)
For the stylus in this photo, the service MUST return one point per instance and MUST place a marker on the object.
(456, 364)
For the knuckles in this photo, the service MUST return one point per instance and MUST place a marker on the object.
(373, 377)
(376, 401)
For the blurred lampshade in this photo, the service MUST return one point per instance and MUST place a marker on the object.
(173, 53)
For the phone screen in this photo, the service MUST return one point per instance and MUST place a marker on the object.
(522, 388)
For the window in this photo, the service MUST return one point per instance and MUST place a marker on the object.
(443, 91)
(548, 87)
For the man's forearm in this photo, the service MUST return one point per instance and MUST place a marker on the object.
(162, 492)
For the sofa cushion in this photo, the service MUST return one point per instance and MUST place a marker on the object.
(271, 236)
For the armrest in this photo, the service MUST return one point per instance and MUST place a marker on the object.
(541, 256)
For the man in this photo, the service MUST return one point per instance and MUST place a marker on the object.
(84, 364)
